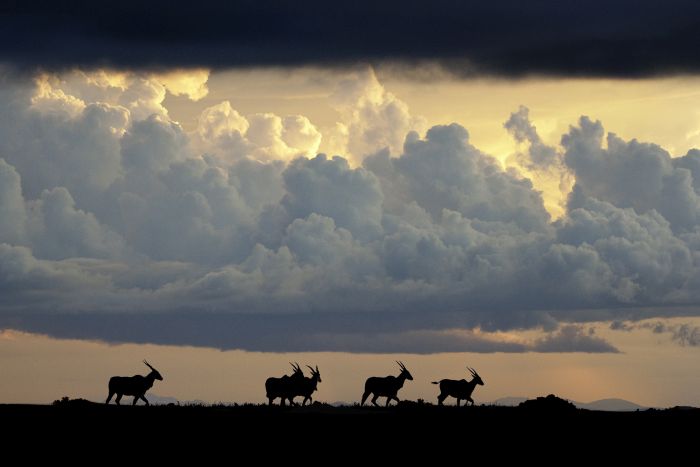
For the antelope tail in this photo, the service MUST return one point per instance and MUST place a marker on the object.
(435, 382)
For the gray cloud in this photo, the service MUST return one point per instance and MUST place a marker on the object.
(329, 187)
(621, 326)
(684, 334)
(630, 174)
(573, 338)
(389, 256)
(444, 171)
(539, 156)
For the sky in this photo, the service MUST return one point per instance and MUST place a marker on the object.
(512, 186)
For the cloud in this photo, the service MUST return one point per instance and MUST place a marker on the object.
(61, 231)
(353, 197)
(630, 174)
(620, 326)
(683, 334)
(542, 164)
(225, 133)
(686, 334)
(444, 171)
(189, 83)
(573, 338)
(641, 249)
(505, 37)
(115, 212)
(12, 209)
(372, 118)
(27, 282)
(540, 155)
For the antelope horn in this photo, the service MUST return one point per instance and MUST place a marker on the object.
(149, 365)
(310, 368)
(317, 369)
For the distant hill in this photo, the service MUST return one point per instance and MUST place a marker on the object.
(607, 405)
(612, 405)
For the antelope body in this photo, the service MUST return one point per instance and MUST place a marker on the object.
(284, 387)
(387, 386)
(459, 389)
(306, 386)
(133, 385)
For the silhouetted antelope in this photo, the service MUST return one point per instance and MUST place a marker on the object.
(305, 387)
(284, 387)
(132, 385)
(387, 386)
(459, 389)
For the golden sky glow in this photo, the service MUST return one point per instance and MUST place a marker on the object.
(663, 111)
(40, 369)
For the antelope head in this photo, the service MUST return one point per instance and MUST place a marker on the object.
(475, 376)
(154, 371)
(405, 372)
(315, 373)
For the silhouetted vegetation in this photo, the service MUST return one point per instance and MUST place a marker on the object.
(66, 401)
(551, 403)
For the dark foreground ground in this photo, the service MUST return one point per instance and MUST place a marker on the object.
(406, 432)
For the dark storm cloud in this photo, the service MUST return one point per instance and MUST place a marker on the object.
(503, 37)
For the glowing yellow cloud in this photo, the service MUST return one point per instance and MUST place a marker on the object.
(189, 83)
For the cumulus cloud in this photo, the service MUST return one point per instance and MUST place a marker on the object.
(189, 83)
(542, 164)
(353, 197)
(372, 118)
(630, 174)
(12, 209)
(225, 133)
(429, 245)
(444, 171)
